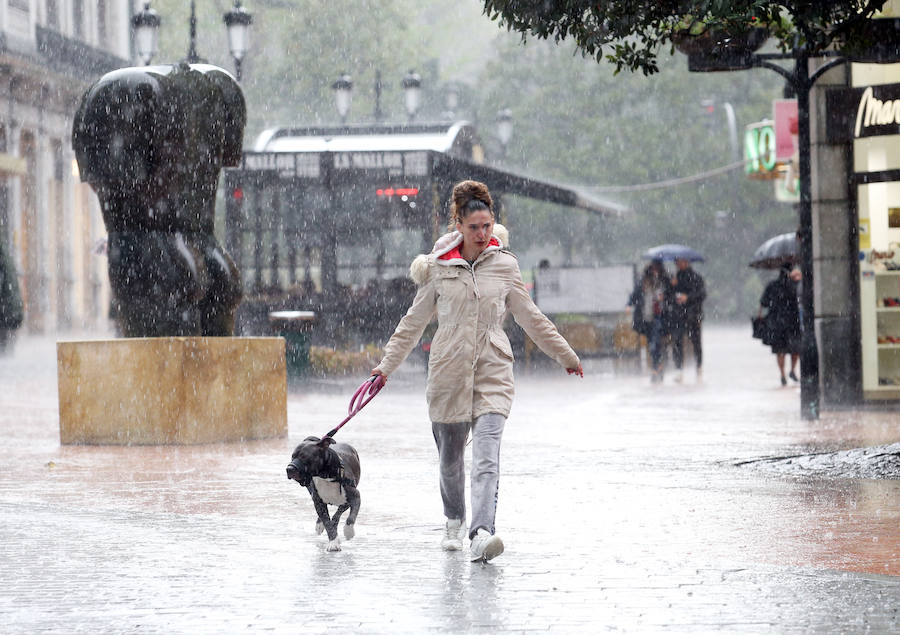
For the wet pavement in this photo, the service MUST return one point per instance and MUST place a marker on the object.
(624, 506)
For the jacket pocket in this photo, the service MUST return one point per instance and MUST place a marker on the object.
(451, 291)
(501, 343)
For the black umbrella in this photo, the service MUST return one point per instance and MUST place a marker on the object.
(783, 249)
(672, 252)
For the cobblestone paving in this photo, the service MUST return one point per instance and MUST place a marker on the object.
(624, 507)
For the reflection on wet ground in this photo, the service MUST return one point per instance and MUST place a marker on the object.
(624, 505)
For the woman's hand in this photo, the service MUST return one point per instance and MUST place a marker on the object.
(576, 371)
(376, 372)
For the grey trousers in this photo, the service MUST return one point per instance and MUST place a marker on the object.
(487, 430)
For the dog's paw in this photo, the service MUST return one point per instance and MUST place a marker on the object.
(320, 527)
(333, 545)
(349, 531)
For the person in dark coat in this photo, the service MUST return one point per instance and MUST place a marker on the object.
(783, 318)
(687, 314)
(651, 302)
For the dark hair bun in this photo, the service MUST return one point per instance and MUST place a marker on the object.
(468, 197)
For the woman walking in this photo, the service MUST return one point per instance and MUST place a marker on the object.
(783, 319)
(470, 281)
(651, 302)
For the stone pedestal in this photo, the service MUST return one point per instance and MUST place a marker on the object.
(171, 390)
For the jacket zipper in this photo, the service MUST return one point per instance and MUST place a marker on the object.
(477, 297)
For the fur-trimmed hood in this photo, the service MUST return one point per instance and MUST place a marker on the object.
(446, 251)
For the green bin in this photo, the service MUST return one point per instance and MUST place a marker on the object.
(295, 327)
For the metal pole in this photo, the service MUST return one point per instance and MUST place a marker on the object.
(378, 114)
(809, 355)
(237, 69)
(802, 83)
(192, 56)
(732, 130)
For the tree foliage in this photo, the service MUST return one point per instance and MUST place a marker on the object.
(631, 33)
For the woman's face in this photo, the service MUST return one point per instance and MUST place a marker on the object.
(476, 229)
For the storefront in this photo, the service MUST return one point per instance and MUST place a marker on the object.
(866, 116)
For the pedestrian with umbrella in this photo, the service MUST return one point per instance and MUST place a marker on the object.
(651, 302)
(688, 292)
(687, 313)
(780, 300)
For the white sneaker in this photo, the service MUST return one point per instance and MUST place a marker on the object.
(485, 547)
(454, 533)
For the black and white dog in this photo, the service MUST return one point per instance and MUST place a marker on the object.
(330, 471)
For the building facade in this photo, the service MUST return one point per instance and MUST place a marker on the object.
(50, 52)
(856, 230)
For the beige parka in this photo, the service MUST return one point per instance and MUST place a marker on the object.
(470, 366)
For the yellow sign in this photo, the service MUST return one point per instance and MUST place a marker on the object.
(865, 238)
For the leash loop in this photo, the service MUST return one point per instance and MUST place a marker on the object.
(363, 395)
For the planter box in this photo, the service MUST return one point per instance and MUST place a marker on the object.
(721, 51)
(171, 390)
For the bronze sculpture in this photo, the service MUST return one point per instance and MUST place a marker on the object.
(151, 142)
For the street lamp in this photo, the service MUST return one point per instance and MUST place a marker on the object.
(238, 21)
(452, 98)
(343, 95)
(412, 93)
(504, 128)
(146, 34)
(709, 105)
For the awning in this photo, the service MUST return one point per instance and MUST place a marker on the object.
(456, 169)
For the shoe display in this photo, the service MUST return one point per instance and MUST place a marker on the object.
(485, 547)
(454, 534)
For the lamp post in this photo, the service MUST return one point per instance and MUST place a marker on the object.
(146, 34)
(412, 93)
(343, 95)
(452, 100)
(710, 106)
(504, 129)
(801, 81)
(238, 21)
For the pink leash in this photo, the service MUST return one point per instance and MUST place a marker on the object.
(363, 395)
